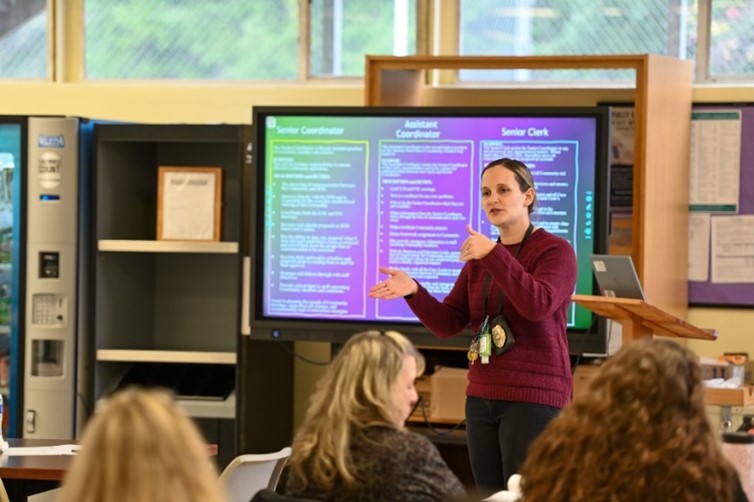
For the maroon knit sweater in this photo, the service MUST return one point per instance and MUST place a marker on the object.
(538, 285)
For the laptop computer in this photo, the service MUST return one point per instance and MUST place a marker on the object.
(616, 276)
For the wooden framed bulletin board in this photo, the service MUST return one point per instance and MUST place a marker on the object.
(721, 199)
(189, 203)
(721, 205)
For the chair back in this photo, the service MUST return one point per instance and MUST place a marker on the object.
(3, 494)
(250, 473)
(267, 495)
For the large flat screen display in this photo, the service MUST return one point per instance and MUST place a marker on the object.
(342, 191)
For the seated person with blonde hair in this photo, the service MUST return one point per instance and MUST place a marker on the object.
(353, 444)
(639, 432)
(141, 446)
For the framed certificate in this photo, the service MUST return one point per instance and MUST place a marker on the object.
(188, 203)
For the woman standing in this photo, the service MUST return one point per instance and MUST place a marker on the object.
(521, 284)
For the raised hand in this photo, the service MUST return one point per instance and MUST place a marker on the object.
(397, 285)
(476, 245)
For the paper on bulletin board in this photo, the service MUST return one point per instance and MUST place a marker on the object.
(715, 164)
(733, 249)
(699, 238)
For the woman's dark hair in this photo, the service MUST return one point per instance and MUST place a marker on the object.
(522, 174)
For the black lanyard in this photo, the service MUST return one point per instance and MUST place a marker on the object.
(488, 277)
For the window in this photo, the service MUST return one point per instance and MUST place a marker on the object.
(343, 32)
(23, 39)
(556, 27)
(178, 39)
(241, 39)
(294, 40)
(731, 39)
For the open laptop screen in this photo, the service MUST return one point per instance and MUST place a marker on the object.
(616, 276)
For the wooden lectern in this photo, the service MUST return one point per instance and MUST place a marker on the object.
(639, 319)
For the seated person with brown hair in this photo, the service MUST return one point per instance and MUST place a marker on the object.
(353, 445)
(639, 432)
(141, 446)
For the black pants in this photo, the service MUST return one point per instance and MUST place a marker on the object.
(498, 434)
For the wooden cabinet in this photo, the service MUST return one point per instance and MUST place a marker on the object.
(166, 312)
(662, 97)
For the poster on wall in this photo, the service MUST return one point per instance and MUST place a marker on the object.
(621, 178)
(189, 203)
(715, 161)
(621, 158)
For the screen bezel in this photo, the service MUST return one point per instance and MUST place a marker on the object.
(590, 340)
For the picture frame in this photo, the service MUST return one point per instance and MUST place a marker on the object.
(189, 203)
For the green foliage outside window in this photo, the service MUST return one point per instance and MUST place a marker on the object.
(261, 40)
(178, 39)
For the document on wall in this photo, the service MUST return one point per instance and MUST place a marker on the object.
(699, 238)
(715, 166)
(733, 249)
(621, 158)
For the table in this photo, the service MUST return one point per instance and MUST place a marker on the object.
(28, 475)
(727, 398)
(24, 476)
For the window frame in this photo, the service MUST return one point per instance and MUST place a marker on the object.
(437, 32)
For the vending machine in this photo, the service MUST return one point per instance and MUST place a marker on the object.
(12, 157)
(39, 274)
(52, 236)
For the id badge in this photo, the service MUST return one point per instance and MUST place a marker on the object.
(473, 353)
(485, 347)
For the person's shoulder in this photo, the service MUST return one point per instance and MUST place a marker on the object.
(543, 234)
(418, 441)
(403, 438)
(381, 434)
